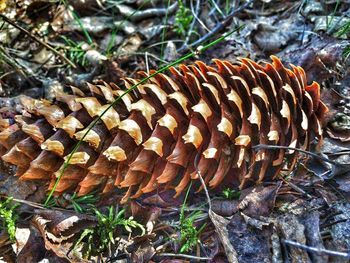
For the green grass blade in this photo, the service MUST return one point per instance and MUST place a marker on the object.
(116, 29)
(77, 19)
(163, 31)
(329, 23)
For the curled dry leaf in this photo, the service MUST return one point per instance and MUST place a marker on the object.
(86, 7)
(163, 199)
(143, 254)
(30, 245)
(343, 183)
(319, 58)
(272, 39)
(260, 202)
(145, 215)
(131, 44)
(59, 230)
(225, 207)
(95, 57)
(170, 53)
(220, 224)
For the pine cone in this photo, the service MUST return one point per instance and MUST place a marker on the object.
(161, 135)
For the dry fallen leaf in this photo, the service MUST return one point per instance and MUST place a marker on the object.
(30, 245)
(58, 229)
(220, 224)
(260, 202)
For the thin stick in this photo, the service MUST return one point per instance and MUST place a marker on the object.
(183, 256)
(265, 146)
(216, 29)
(37, 40)
(205, 188)
(296, 188)
(317, 250)
(334, 223)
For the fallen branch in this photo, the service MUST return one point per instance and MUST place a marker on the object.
(183, 256)
(215, 30)
(37, 39)
(296, 188)
(277, 147)
(319, 251)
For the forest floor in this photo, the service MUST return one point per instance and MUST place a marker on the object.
(303, 217)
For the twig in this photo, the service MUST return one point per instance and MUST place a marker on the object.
(193, 21)
(333, 223)
(217, 8)
(142, 54)
(204, 187)
(143, 14)
(297, 188)
(14, 64)
(146, 59)
(37, 40)
(319, 251)
(216, 29)
(331, 215)
(183, 256)
(265, 146)
(194, 13)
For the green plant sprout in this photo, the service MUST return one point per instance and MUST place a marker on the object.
(346, 52)
(77, 19)
(8, 217)
(189, 234)
(183, 19)
(100, 237)
(343, 30)
(231, 194)
(75, 51)
(329, 22)
(80, 204)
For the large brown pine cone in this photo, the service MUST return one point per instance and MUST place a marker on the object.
(198, 118)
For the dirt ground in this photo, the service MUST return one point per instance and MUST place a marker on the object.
(304, 216)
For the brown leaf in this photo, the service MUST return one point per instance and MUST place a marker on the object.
(220, 224)
(143, 254)
(260, 202)
(30, 245)
(145, 215)
(225, 207)
(59, 229)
